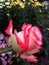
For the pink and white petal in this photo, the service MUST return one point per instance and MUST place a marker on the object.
(30, 50)
(26, 35)
(34, 37)
(38, 32)
(22, 52)
(23, 26)
(29, 58)
(9, 28)
(20, 38)
(27, 29)
(33, 51)
(32, 43)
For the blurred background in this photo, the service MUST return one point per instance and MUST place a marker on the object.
(35, 12)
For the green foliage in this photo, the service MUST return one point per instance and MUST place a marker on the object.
(20, 15)
(19, 61)
(3, 19)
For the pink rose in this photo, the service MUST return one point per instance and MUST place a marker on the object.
(26, 42)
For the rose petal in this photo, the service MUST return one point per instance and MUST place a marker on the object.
(34, 37)
(20, 38)
(30, 50)
(26, 35)
(38, 32)
(29, 58)
(33, 51)
(24, 26)
(9, 28)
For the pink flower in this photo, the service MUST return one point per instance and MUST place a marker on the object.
(26, 42)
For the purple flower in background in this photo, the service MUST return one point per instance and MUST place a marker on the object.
(2, 45)
(3, 54)
(5, 57)
(0, 42)
(3, 61)
(1, 36)
(9, 52)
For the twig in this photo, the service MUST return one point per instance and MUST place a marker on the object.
(5, 49)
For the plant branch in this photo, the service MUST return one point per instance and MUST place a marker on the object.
(5, 49)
